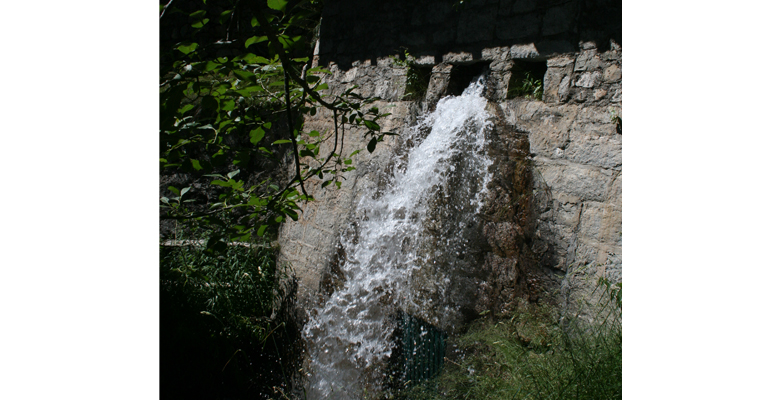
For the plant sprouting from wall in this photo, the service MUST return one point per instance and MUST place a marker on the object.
(416, 78)
(523, 83)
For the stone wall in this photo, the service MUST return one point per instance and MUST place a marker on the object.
(553, 220)
(357, 30)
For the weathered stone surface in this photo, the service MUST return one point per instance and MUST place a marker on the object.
(437, 86)
(587, 183)
(496, 54)
(557, 79)
(524, 51)
(601, 151)
(612, 74)
(588, 61)
(588, 79)
(457, 58)
(567, 221)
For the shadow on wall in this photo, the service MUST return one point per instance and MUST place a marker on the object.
(367, 29)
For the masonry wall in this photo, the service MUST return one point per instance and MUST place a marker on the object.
(569, 233)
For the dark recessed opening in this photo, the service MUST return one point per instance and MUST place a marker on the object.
(527, 79)
(462, 75)
(417, 80)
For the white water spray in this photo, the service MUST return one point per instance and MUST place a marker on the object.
(389, 249)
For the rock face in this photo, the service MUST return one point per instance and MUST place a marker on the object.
(551, 223)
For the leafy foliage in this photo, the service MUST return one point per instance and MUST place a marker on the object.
(232, 98)
(416, 78)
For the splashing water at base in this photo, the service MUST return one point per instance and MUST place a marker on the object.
(390, 248)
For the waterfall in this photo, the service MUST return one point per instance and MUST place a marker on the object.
(401, 252)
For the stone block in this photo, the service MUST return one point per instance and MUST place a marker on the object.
(523, 51)
(457, 58)
(617, 97)
(557, 79)
(584, 182)
(560, 62)
(495, 54)
(612, 74)
(601, 223)
(549, 129)
(587, 60)
(588, 79)
(601, 151)
(615, 192)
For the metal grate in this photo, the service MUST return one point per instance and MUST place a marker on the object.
(422, 348)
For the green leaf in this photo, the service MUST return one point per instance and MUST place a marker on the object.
(185, 190)
(279, 219)
(278, 5)
(267, 125)
(198, 15)
(255, 39)
(186, 108)
(372, 125)
(199, 24)
(223, 17)
(293, 215)
(282, 141)
(187, 47)
(228, 105)
(314, 133)
(196, 164)
(339, 184)
(174, 190)
(372, 145)
(355, 152)
(322, 86)
(256, 135)
(254, 23)
(261, 230)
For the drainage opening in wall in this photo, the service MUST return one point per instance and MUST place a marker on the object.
(527, 79)
(419, 352)
(417, 80)
(462, 75)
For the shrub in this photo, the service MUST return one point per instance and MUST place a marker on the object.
(227, 328)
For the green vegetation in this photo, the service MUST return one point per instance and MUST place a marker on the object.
(234, 89)
(534, 356)
(523, 83)
(417, 78)
(226, 326)
(236, 83)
